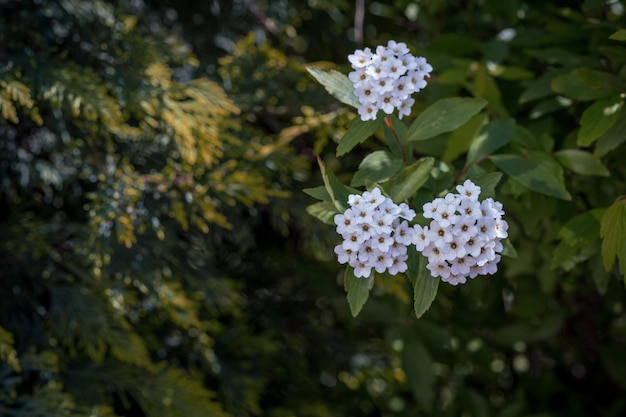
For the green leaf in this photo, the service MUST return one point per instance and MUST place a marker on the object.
(418, 367)
(581, 162)
(613, 233)
(528, 140)
(444, 116)
(613, 138)
(508, 249)
(620, 35)
(598, 118)
(571, 86)
(485, 87)
(613, 359)
(487, 183)
(324, 211)
(338, 192)
(576, 235)
(357, 289)
(600, 80)
(493, 136)
(406, 182)
(358, 132)
(319, 192)
(424, 284)
(539, 173)
(336, 83)
(461, 139)
(378, 166)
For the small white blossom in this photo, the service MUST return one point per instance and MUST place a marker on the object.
(386, 79)
(463, 239)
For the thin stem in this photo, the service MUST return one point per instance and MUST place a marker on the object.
(396, 138)
(359, 15)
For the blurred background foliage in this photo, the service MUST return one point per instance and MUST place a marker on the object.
(156, 257)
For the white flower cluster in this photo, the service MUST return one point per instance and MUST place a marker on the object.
(386, 79)
(374, 234)
(463, 238)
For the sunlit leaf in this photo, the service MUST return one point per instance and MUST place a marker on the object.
(337, 191)
(336, 83)
(324, 211)
(444, 116)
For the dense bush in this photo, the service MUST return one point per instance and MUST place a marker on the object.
(157, 252)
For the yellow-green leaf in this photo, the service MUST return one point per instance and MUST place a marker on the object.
(599, 118)
(444, 116)
(613, 233)
(336, 83)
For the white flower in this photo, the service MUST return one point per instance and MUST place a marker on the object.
(453, 249)
(353, 241)
(360, 58)
(366, 94)
(463, 239)
(462, 266)
(398, 48)
(486, 228)
(473, 246)
(421, 237)
(469, 189)
(375, 233)
(445, 214)
(366, 251)
(465, 228)
(406, 212)
(388, 102)
(362, 270)
(397, 249)
(345, 255)
(501, 228)
(382, 222)
(405, 107)
(382, 242)
(368, 111)
(382, 261)
(470, 208)
(360, 79)
(398, 264)
(386, 79)
(404, 233)
(455, 279)
(433, 253)
(439, 269)
(423, 66)
(374, 197)
(439, 235)
(389, 207)
(345, 222)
